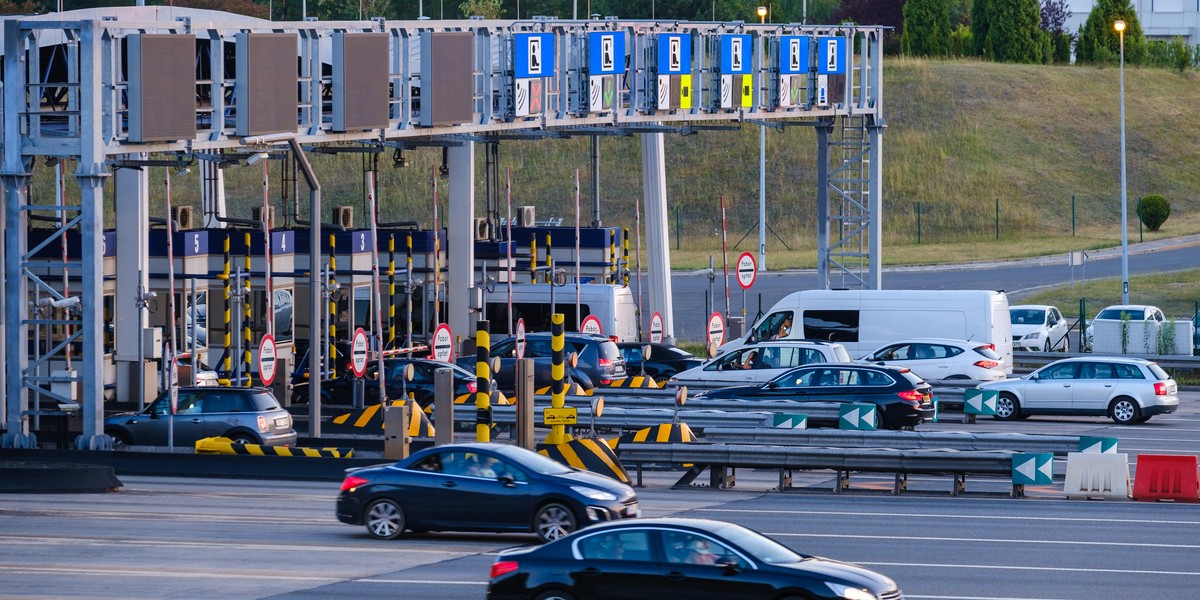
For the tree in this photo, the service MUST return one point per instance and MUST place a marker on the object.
(25, 7)
(888, 13)
(1054, 22)
(1154, 211)
(980, 26)
(1098, 42)
(926, 28)
(1014, 30)
(488, 9)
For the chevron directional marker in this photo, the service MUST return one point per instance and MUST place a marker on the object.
(1033, 469)
(849, 417)
(1098, 445)
(789, 421)
(980, 402)
(869, 420)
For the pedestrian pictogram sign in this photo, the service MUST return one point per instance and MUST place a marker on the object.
(443, 343)
(858, 417)
(656, 328)
(793, 59)
(520, 338)
(1033, 469)
(606, 54)
(747, 270)
(831, 53)
(674, 54)
(735, 54)
(715, 333)
(591, 325)
(358, 352)
(534, 55)
(266, 359)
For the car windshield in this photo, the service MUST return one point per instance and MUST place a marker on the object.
(987, 351)
(534, 462)
(1027, 316)
(1114, 314)
(757, 545)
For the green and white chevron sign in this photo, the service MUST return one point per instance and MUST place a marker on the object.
(980, 402)
(789, 421)
(858, 416)
(1098, 445)
(1033, 469)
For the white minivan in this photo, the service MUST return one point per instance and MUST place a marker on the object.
(864, 320)
(612, 305)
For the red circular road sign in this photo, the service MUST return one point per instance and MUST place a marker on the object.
(520, 338)
(266, 359)
(358, 352)
(591, 325)
(747, 270)
(656, 328)
(443, 343)
(715, 333)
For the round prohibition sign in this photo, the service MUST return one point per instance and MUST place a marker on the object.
(520, 338)
(266, 360)
(358, 353)
(443, 343)
(747, 270)
(656, 328)
(715, 333)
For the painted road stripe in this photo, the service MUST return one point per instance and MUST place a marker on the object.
(449, 554)
(987, 517)
(421, 581)
(984, 540)
(1016, 568)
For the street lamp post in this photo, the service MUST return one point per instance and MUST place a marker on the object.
(762, 179)
(1120, 27)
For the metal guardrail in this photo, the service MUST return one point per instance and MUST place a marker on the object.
(625, 419)
(1059, 445)
(722, 460)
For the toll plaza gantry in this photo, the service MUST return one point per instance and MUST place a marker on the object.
(120, 91)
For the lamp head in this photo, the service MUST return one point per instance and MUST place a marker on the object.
(762, 13)
(1119, 25)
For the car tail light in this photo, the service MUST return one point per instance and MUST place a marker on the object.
(913, 397)
(606, 382)
(352, 482)
(604, 362)
(472, 387)
(614, 338)
(986, 364)
(1160, 389)
(504, 566)
(262, 424)
(991, 347)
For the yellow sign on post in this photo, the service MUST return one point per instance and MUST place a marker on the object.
(559, 416)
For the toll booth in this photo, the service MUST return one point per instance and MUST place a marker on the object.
(55, 247)
(601, 253)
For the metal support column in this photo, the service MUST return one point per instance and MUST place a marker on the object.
(654, 189)
(875, 202)
(823, 131)
(132, 196)
(460, 237)
(16, 291)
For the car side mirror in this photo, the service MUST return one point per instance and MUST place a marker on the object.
(731, 567)
(507, 479)
(1034, 377)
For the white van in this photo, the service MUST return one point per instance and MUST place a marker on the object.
(863, 320)
(612, 305)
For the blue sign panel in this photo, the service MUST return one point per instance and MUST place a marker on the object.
(793, 54)
(674, 54)
(606, 53)
(831, 56)
(735, 54)
(533, 55)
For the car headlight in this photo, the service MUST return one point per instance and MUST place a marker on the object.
(1033, 336)
(850, 593)
(593, 493)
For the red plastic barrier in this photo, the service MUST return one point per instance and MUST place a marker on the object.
(1163, 477)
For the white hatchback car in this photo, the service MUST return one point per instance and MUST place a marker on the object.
(1127, 390)
(936, 358)
(760, 363)
(1039, 328)
(1119, 312)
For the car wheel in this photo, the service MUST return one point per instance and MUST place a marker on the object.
(555, 595)
(1047, 347)
(242, 438)
(1124, 411)
(1066, 347)
(385, 520)
(553, 521)
(1008, 407)
(119, 438)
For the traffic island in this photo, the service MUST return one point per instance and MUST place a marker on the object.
(59, 478)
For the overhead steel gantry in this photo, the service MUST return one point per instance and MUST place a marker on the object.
(124, 84)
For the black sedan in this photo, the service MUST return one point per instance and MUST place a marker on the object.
(904, 400)
(480, 487)
(677, 558)
(340, 390)
(664, 360)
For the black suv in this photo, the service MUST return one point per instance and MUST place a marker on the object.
(600, 361)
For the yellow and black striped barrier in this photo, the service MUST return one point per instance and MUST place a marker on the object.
(589, 454)
(667, 433)
(223, 445)
(573, 389)
(637, 381)
(370, 420)
(498, 397)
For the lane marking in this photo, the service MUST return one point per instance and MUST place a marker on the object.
(421, 581)
(910, 596)
(98, 541)
(32, 570)
(939, 516)
(1018, 568)
(985, 540)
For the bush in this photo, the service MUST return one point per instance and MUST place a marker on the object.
(1153, 211)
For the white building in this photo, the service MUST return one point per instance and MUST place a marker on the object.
(1160, 19)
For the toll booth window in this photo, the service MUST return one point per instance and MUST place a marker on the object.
(831, 325)
(195, 317)
(284, 316)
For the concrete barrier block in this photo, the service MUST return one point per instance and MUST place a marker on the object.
(1097, 476)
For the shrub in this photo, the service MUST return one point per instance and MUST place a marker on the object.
(1153, 211)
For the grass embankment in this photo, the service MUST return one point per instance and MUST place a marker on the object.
(1176, 293)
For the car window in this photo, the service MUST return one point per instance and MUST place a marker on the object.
(624, 544)
(431, 463)
(263, 401)
(746, 358)
(539, 349)
(1055, 316)
(506, 349)
(876, 378)
(1158, 372)
(840, 354)
(797, 379)
(685, 547)
(987, 352)
(608, 350)
(162, 406)
(836, 377)
(774, 324)
(226, 403)
(504, 468)
(1059, 371)
(927, 351)
(893, 352)
(757, 545)
(1097, 371)
(633, 354)
(188, 404)
(948, 351)
(1026, 316)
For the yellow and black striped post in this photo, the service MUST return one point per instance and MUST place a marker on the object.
(246, 313)
(332, 351)
(612, 260)
(549, 261)
(625, 243)
(391, 343)
(533, 259)
(558, 388)
(483, 379)
(408, 279)
(227, 360)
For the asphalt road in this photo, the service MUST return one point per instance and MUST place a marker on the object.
(204, 538)
(690, 291)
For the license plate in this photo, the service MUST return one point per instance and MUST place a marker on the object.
(632, 511)
(281, 422)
